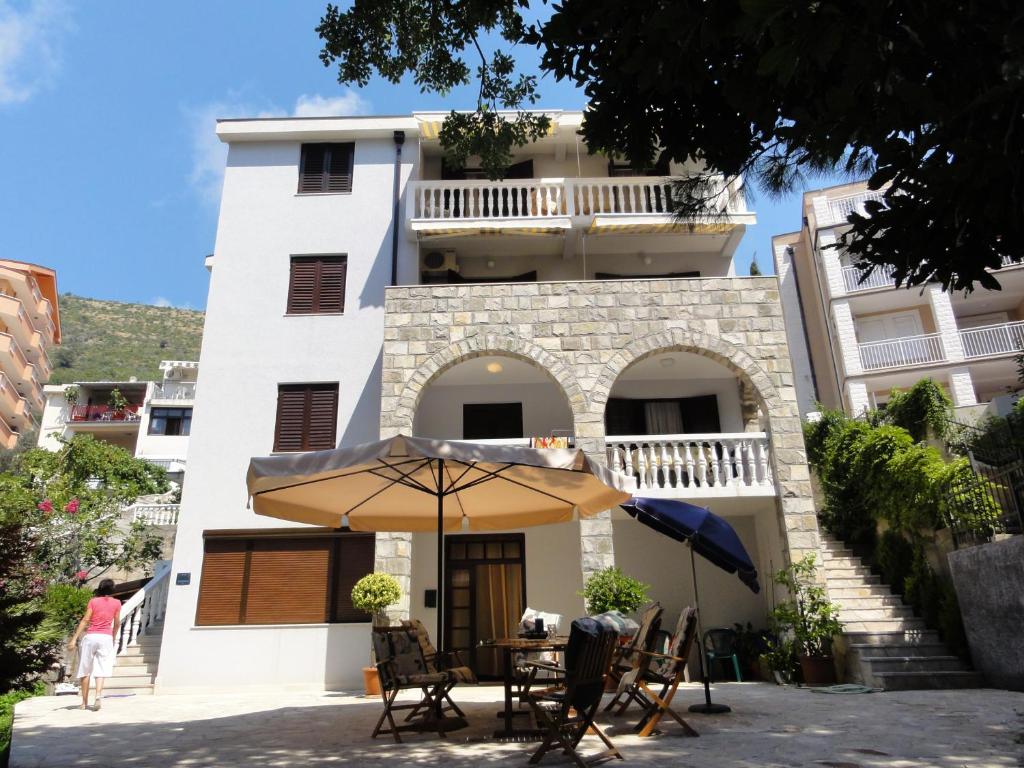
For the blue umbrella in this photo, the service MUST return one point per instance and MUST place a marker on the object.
(710, 537)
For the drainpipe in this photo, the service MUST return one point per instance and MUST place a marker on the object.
(399, 141)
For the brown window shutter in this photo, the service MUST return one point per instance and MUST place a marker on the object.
(354, 558)
(339, 168)
(222, 583)
(312, 166)
(331, 284)
(291, 416)
(323, 417)
(288, 581)
(302, 283)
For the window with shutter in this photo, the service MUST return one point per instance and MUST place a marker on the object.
(307, 417)
(326, 168)
(316, 284)
(282, 579)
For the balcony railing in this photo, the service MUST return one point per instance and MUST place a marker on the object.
(880, 277)
(175, 390)
(904, 351)
(988, 340)
(156, 514)
(693, 465)
(104, 413)
(840, 208)
(547, 198)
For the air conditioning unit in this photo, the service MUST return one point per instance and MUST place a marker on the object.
(171, 373)
(440, 261)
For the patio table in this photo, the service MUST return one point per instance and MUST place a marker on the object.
(509, 647)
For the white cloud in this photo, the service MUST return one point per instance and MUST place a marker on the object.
(30, 36)
(315, 105)
(209, 154)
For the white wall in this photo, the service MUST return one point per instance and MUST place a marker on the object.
(554, 267)
(249, 347)
(439, 414)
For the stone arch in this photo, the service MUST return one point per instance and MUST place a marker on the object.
(681, 340)
(553, 366)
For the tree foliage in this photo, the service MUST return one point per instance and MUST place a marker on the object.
(925, 97)
(612, 590)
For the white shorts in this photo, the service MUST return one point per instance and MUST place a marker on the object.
(96, 656)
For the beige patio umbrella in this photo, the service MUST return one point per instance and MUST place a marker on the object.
(419, 484)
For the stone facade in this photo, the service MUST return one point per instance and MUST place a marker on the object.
(583, 335)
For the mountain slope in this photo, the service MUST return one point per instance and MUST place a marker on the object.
(113, 341)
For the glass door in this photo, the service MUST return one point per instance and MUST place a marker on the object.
(485, 595)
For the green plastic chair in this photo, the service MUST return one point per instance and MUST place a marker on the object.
(720, 646)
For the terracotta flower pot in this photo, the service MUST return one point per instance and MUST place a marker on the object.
(371, 682)
(818, 670)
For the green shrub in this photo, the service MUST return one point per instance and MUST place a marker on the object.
(893, 557)
(612, 590)
(64, 605)
(923, 408)
(809, 616)
(7, 702)
(375, 592)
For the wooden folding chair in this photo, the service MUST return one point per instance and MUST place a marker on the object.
(446, 662)
(626, 657)
(664, 670)
(566, 713)
(401, 667)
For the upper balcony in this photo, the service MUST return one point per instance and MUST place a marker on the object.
(13, 407)
(554, 206)
(174, 393)
(8, 437)
(833, 211)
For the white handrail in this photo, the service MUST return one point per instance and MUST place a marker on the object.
(156, 514)
(696, 461)
(906, 350)
(144, 608)
(841, 207)
(996, 339)
(880, 277)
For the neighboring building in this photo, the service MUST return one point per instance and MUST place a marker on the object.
(853, 340)
(29, 326)
(564, 300)
(154, 425)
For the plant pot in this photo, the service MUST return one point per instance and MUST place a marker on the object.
(818, 670)
(371, 682)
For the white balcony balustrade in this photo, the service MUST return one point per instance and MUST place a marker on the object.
(156, 514)
(175, 390)
(693, 466)
(880, 277)
(840, 208)
(143, 609)
(904, 351)
(990, 340)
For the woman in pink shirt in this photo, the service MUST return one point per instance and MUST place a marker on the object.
(96, 654)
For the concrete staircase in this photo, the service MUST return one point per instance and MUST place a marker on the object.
(135, 669)
(886, 646)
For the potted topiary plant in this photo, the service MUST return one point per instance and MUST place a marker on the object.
(810, 618)
(375, 593)
(612, 590)
(118, 403)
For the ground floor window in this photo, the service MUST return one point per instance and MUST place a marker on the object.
(282, 578)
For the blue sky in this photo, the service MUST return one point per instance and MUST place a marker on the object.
(109, 168)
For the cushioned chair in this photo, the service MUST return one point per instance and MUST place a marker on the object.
(565, 713)
(448, 662)
(720, 646)
(401, 667)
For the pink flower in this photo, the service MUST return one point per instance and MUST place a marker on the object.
(82, 575)
(45, 506)
(71, 507)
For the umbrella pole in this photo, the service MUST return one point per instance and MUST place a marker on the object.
(707, 708)
(440, 555)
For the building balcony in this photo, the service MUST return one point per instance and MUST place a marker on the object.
(13, 315)
(993, 340)
(8, 437)
(176, 392)
(839, 208)
(13, 407)
(154, 514)
(103, 414)
(902, 352)
(550, 206)
(880, 277)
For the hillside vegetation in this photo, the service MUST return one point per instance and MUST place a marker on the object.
(112, 341)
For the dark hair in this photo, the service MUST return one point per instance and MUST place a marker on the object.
(105, 588)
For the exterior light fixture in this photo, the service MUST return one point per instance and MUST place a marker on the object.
(494, 368)
(667, 362)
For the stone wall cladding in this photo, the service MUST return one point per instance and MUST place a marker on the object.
(584, 335)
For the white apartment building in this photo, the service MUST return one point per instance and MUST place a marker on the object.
(361, 289)
(154, 425)
(853, 340)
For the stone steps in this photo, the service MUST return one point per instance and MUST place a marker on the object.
(136, 666)
(886, 645)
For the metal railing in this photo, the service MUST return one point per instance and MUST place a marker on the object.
(144, 609)
(904, 351)
(710, 464)
(998, 339)
(175, 390)
(103, 413)
(880, 277)
(166, 464)
(156, 514)
(841, 208)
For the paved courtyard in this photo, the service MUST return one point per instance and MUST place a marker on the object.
(769, 726)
